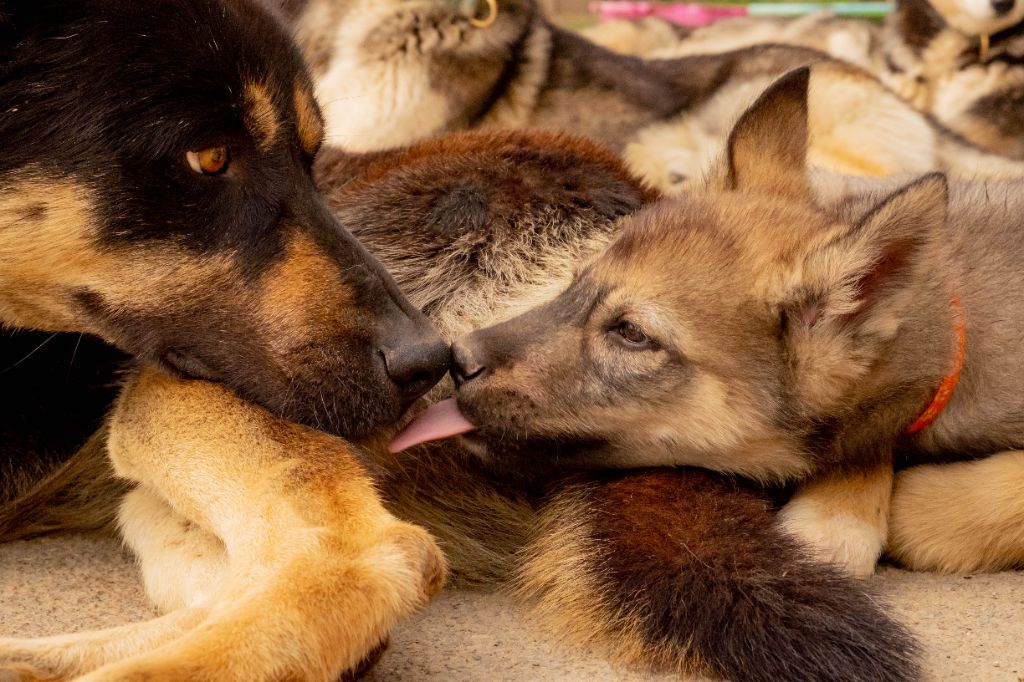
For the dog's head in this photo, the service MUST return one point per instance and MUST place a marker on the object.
(977, 17)
(719, 329)
(157, 192)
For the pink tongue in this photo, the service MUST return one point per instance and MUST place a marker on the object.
(440, 420)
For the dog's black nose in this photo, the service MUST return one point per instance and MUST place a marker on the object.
(416, 367)
(465, 364)
(1002, 7)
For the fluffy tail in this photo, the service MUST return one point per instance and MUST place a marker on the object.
(960, 518)
(687, 570)
(82, 494)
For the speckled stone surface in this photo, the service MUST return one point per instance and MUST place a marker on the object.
(972, 628)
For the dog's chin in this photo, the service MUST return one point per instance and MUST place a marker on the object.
(530, 458)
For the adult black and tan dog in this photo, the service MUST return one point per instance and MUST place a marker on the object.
(156, 194)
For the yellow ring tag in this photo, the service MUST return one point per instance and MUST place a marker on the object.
(492, 6)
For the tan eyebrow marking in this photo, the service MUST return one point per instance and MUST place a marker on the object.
(260, 115)
(308, 120)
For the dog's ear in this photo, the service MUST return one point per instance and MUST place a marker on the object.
(767, 148)
(849, 294)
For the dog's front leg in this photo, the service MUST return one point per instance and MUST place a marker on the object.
(67, 656)
(317, 571)
(182, 565)
(843, 517)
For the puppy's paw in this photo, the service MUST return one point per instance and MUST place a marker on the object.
(834, 537)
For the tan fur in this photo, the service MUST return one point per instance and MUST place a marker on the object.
(303, 268)
(308, 119)
(948, 76)
(260, 115)
(844, 518)
(43, 222)
(960, 518)
(558, 578)
(955, 13)
(311, 555)
(645, 37)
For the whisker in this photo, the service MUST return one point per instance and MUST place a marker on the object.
(31, 353)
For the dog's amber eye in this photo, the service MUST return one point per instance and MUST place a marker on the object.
(209, 161)
(632, 335)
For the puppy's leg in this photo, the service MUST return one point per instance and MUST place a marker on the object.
(843, 518)
(688, 570)
(960, 518)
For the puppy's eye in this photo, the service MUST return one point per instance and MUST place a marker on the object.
(209, 161)
(632, 336)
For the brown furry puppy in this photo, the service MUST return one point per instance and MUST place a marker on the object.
(480, 227)
(762, 328)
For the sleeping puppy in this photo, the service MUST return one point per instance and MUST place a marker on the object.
(961, 60)
(393, 72)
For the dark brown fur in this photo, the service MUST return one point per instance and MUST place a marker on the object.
(694, 565)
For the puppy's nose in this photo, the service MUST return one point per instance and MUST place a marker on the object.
(465, 363)
(1002, 7)
(416, 367)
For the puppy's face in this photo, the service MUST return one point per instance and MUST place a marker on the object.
(661, 352)
(977, 17)
(159, 195)
(718, 330)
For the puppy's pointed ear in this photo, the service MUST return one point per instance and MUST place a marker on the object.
(850, 294)
(767, 148)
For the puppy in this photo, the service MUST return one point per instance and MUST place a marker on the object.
(786, 334)
(394, 72)
(960, 60)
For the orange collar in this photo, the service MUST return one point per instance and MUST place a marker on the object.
(949, 382)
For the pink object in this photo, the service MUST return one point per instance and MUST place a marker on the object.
(685, 14)
(437, 422)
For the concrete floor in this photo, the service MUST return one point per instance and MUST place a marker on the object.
(972, 627)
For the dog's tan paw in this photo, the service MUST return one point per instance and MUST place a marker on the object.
(834, 537)
(424, 558)
(23, 660)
